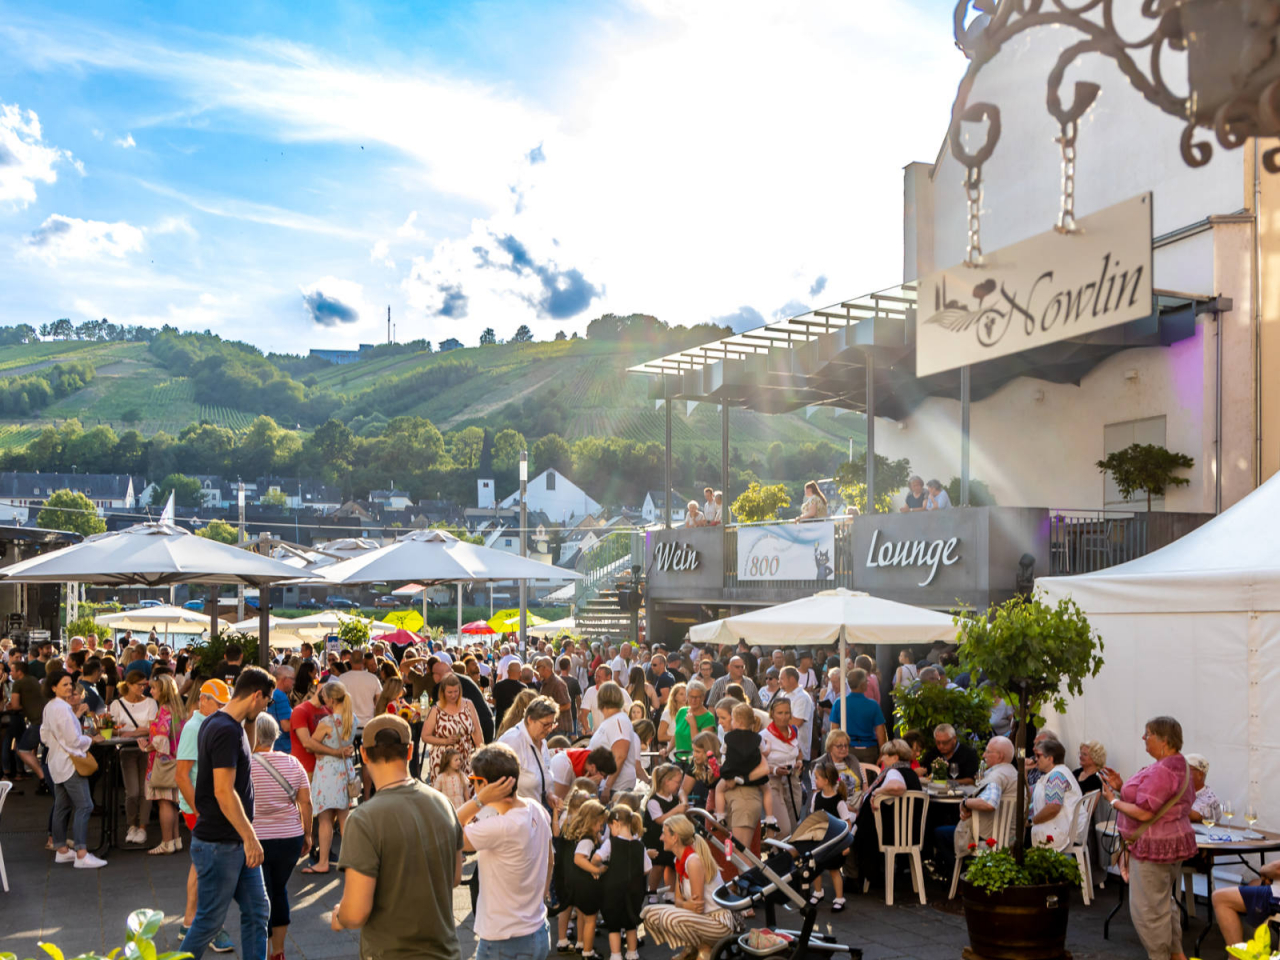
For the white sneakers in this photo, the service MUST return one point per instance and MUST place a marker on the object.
(87, 862)
(135, 835)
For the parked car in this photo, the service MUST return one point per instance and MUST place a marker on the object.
(197, 605)
(149, 603)
(310, 605)
(388, 602)
(341, 603)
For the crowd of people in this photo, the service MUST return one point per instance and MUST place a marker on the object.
(568, 771)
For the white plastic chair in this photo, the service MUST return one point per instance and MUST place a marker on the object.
(1000, 824)
(909, 811)
(5, 787)
(1080, 841)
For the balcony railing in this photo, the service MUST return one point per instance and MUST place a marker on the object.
(1081, 541)
(605, 560)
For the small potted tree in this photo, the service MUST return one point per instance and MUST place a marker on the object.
(1148, 467)
(1032, 653)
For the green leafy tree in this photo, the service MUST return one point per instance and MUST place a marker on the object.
(979, 493)
(131, 415)
(186, 491)
(551, 452)
(856, 494)
(890, 475)
(1146, 466)
(71, 511)
(1033, 654)
(354, 632)
(923, 706)
(466, 446)
(266, 448)
(560, 335)
(488, 338)
(219, 530)
(507, 447)
(274, 498)
(758, 503)
(523, 334)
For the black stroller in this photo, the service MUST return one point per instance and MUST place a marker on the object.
(785, 877)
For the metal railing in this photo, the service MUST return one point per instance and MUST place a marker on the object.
(604, 561)
(1081, 541)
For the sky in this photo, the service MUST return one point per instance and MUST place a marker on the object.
(282, 173)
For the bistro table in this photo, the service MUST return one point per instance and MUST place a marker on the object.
(107, 753)
(942, 793)
(1221, 843)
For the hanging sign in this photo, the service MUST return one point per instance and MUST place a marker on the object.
(1051, 287)
(801, 551)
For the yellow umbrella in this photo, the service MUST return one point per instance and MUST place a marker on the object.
(508, 621)
(410, 620)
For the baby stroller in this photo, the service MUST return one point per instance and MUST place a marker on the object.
(785, 877)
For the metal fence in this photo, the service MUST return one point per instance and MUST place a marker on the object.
(1081, 541)
(605, 560)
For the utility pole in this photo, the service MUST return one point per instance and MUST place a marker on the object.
(389, 338)
(240, 539)
(524, 547)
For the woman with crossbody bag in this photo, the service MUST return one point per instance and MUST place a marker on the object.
(1152, 810)
(161, 747)
(281, 821)
(70, 766)
(133, 712)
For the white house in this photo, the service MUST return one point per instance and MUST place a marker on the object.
(554, 494)
(108, 491)
(391, 499)
(654, 509)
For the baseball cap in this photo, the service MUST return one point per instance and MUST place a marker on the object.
(217, 689)
(387, 728)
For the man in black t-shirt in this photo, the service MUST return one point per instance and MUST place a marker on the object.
(658, 675)
(506, 690)
(224, 849)
(229, 667)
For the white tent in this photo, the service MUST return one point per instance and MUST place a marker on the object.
(1191, 631)
(844, 615)
(164, 620)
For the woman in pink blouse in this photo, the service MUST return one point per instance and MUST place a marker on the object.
(1151, 814)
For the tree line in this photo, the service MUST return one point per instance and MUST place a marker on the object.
(32, 392)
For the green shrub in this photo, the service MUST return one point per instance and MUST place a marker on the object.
(143, 925)
(997, 870)
(213, 650)
(922, 706)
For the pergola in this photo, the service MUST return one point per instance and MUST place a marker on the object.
(859, 354)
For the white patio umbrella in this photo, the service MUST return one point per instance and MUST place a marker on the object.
(330, 621)
(435, 556)
(553, 628)
(844, 615)
(164, 620)
(151, 554)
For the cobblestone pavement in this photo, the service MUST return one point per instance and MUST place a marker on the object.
(82, 910)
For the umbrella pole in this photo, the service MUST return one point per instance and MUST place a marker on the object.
(459, 611)
(264, 627)
(424, 608)
(844, 682)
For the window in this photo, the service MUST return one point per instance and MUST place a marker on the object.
(1118, 436)
(551, 480)
(506, 542)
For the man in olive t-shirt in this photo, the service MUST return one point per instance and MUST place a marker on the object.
(402, 856)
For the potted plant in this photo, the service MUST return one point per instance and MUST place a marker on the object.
(1148, 467)
(1032, 654)
(938, 770)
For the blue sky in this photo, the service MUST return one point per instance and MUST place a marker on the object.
(281, 173)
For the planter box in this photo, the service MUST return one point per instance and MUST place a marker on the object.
(1020, 923)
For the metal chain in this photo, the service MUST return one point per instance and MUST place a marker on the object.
(1067, 141)
(973, 190)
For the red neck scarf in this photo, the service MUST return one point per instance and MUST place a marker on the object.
(680, 862)
(787, 737)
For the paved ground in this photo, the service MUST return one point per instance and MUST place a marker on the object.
(81, 910)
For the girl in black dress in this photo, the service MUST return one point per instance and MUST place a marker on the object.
(562, 846)
(830, 796)
(622, 888)
(704, 770)
(663, 801)
(584, 831)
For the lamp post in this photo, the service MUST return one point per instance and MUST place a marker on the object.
(524, 547)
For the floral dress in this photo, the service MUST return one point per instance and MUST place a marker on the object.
(329, 784)
(164, 735)
(457, 724)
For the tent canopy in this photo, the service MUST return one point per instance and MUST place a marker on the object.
(823, 617)
(151, 554)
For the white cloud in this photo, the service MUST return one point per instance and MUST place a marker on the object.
(262, 213)
(380, 252)
(25, 159)
(62, 238)
(167, 225)
(407, 229)
(126, 141)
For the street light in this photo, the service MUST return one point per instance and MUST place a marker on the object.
(524, 547)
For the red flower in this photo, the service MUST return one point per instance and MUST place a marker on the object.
(973, 846)
(1049, 838)
(991, 841)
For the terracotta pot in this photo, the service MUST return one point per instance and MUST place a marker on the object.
(1020, 923)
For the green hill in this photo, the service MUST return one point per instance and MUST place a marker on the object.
(585, 379)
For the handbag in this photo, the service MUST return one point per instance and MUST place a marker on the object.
(164, 773)
(1120, 855)
(355, 785)
(86, 766)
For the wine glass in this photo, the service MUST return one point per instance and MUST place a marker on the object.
(1227, 814)
(1250, 815)
(1211, 817)
(954, 769)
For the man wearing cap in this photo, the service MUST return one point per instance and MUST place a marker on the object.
(214, 695)
(401, 856)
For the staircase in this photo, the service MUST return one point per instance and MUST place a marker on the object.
(602, 566)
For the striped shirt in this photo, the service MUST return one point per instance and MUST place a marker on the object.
(275, 816)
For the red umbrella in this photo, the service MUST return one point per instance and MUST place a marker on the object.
(401, 638)
(477, 626)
